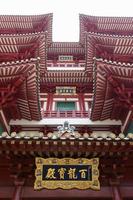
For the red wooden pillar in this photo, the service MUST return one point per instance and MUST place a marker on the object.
(49, 102)
(115, 190)
(81, 103)
(116, 193)
(18, 190)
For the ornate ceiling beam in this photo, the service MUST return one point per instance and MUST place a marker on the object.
(121, 91)
(9, 92)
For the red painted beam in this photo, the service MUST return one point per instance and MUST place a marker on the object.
(116, 193)
(29, 192)
(17, 192)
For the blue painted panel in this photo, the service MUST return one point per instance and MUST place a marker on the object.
(130, 128)
(65, 106)
(1, 129)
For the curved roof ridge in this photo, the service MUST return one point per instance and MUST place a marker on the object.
(103, 17)
(109, 35)
(19, 62)
(113, 62)
(31, 15)
(25, 34)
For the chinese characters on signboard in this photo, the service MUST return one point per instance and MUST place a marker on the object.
(73, 173)
(65, 90)
(67, 172)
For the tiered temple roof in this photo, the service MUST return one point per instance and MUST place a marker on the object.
(65, 77)
(112, 90)
(105, 25)
(110, 47)
(28, 42)
(66, 48)
(23, 76)
(20, 24)
(24, 46)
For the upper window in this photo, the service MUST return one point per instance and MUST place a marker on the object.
(65, 106)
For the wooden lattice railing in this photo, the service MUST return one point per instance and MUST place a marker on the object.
(65, 114)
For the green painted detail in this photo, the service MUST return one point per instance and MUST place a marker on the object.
(130, 128)
(65, 106)
(1, 129)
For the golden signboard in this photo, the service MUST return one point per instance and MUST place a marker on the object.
(67, 173)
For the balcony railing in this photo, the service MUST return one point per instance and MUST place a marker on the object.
(65, 114)
(66, 65)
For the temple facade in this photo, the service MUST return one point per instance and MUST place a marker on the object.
(66, 100)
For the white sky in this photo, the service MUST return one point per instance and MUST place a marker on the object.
(66, 12)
